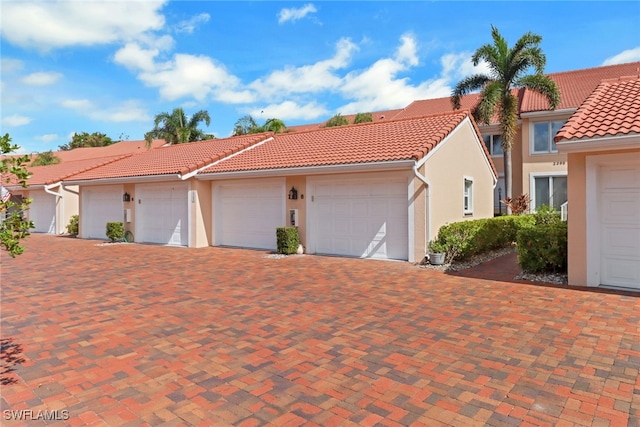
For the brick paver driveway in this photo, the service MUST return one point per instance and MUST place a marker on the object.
(139, 334)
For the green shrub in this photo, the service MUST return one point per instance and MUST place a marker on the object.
(363, 118)
(543, 248)
(336, 120)
(115, 231)
(467, 238)
(288, 240)
(546, 215)
(72, 227)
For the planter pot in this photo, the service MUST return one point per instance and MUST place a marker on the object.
(300, 250)
(437, 258)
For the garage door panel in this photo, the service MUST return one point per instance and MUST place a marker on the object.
(246, 214)
(361, 217)
(42, 211)
(619, 205)
(163, 214)
(101, 205)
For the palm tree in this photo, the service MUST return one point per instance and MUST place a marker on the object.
(507, 68)
(247, 125)
(177, 128)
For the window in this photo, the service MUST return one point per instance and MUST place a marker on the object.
(550, 191)
(494, 144)
(468, 196)
(543, 134)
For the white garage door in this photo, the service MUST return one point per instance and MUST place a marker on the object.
(162, 212)
(363, 217)
(246, 214)
(100, 205)
(42, 211)
(620, 225)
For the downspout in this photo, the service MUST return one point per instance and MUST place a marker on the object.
(47, 189)
(428, 188)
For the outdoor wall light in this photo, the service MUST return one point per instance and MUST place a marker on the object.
(293, 194)
(126, 197)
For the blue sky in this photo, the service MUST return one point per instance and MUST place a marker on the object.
(110, 67)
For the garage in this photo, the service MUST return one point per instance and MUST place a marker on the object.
(363, 217)
(100, 204)
(42, 211)
(162, 213)
(619, 227)
(247, 213)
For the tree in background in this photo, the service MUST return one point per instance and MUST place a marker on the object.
(13, 227)
(177, 128)
(363, 118)
(507, 68)
(247, 125)
(337, 120)
(46, 158)
(85, 139)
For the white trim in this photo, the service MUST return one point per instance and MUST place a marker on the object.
(411, 220)
(208, 165)
(427, 202)
(551, 141)
(604, 143)
(465, 179)
(123, 180)
(311, 170)
(592, 190)
(548, 113)
(532, 187)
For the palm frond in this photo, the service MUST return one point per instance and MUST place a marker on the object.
(467, 85)
(543, 85)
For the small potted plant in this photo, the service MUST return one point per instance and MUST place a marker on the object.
(437, 252)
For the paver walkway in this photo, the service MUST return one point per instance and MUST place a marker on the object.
(131, 334)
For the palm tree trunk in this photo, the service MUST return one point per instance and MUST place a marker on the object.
(507, 176)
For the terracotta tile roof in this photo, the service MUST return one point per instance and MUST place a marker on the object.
(575, 86)
(117, 149)
(613, 109)
(173, 159)
(378, 116)
(408, 139)
(424, 107)
(44, 175)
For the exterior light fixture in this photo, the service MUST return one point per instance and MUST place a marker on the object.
(293, 194)
(126, 197)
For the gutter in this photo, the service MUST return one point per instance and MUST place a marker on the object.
(422, 178)
(47, 189)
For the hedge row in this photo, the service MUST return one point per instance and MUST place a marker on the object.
(468, 238)
(543, 248)
(288, 240)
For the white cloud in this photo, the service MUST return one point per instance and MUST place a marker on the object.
(190, 25)
(16, 120)
(629, 55)
(41, 78)
(456, 66)
(50, 137)
(290, 110)
(380, 86)
(135, 57)
(8, 65)
(293, 14)
(55, 24)
(127, 111)
(309, 78)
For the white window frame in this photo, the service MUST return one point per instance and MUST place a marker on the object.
(550, 142)
(467, 196)
(490, 147)
(532, 184)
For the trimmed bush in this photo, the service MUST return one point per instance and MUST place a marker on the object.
(72, 227)
(115, 231)
(543, 248)
(288, 240)
(546, 215)
(467, 238)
